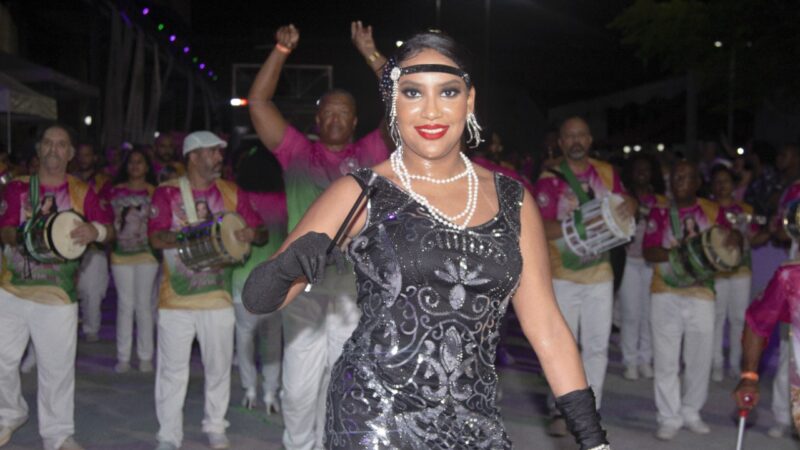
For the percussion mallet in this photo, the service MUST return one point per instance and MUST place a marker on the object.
(365, 192)
(748, 399)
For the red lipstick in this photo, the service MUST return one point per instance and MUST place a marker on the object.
(432, 131)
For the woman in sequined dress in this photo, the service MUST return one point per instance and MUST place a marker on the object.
(440, 251)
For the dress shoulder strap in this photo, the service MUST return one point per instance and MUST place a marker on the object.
(510, 193)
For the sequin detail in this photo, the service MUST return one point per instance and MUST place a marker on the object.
(418, 371)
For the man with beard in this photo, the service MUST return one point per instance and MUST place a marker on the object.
(682, 314)
(195, 304)
(584, 289)
(318, 322)
(38, 300)
(164, 163)
(93, 274)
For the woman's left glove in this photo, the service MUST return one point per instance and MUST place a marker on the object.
(583, 420)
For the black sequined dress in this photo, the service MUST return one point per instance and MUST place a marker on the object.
(418, 371)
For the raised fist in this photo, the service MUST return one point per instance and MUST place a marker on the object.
(287, 36)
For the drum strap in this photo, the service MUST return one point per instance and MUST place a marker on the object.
(33, 198)
(583, 197)
(188, 199)
(675, 222)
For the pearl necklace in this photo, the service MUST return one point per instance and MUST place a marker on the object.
(399, 168)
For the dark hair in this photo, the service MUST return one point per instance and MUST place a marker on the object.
(441, 43)
(71, 134)
(722, 168)
(656, 177)
(122, 173)
(257, 169)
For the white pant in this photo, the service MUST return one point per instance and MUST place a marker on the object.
(267, 329)
(134, 284)
(675, 318)
(315, 326)
(177, 329)
(781, 406)
(587, 309)
(53, 330)
(634, 301)
(92, 287)
(733, 298)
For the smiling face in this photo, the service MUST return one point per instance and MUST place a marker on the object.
(432, 107)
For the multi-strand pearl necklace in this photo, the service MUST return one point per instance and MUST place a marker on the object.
(399, 168)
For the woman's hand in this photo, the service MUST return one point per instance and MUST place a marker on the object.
(362, 38)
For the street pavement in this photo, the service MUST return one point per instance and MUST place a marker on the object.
(114, 411)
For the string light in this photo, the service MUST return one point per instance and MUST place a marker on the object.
(202, 66)
(172, 37)
(186, 49)
(145, 11)
(161, 27)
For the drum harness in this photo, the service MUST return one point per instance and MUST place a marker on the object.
(566, 174)
(33, 198)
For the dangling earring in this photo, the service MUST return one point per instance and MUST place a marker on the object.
(474, 131)
(394, 131)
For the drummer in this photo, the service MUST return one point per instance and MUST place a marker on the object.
(584, 291)
(732, 288)
(195, 304)
(93, 274)
(38, 301)
(680, 313)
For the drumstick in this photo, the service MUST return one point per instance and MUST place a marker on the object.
(365, 192)
(742, 419)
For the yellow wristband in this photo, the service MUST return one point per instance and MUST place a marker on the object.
(749, 375)
(283, 49)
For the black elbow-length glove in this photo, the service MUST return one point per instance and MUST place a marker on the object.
(267, 285)
(583, 420)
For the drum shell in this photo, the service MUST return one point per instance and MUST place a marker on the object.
(201, 246)
(40, 242)
(791, 219)
(603, 229)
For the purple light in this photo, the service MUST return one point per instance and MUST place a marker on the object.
(172, 37)
(211, 73)
(202, 66)
(186, 49)
(145, 11)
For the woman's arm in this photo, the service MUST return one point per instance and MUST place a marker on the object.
(537, 310)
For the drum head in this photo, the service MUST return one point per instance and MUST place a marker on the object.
(236, 249)
(727, 258)
(621, 228)
(62, 225)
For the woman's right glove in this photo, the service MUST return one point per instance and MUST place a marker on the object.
(267, 285)
(583, 421)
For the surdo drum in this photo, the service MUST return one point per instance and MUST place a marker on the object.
(48, 239)
(212, 243)
(596, 227)
(701, 257)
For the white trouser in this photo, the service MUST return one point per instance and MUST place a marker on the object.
(177, 329)
(315, 327)
(733, 298)
(675, 318)
(53, 330)
(781, 406)
(634, 301)
(134, 284)
(92, 287)
(267, 329)
(587, 309)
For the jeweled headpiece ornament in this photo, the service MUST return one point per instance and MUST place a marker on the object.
(388, 87)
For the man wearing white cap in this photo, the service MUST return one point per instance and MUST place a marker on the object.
(195, 304)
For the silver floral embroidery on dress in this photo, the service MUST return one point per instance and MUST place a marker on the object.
(418, 371)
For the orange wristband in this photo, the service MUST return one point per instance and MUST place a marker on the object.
(283, 49)
(749, 375)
